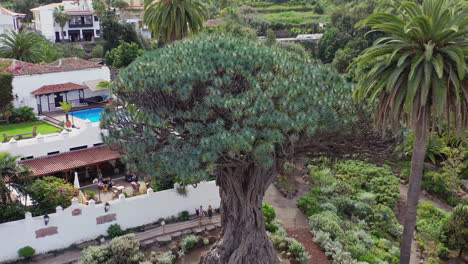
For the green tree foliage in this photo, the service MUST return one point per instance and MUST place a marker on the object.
(98, 51)
(416, 74)
(6, 91)
(123, 55)
(233, 30)
(70, 50)
(99, 7)
(175, 19)
(229, 108)
(119, 4)
(12, 175)
(49, 192)
(26, 252)
(114, 31)
(456, 228)
(271, 38)
(61, 17)
(21, 46)
(332, 40)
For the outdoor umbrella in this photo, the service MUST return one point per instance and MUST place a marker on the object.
(82, 198)
(76, 182)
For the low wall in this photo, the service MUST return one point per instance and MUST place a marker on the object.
(79, 222)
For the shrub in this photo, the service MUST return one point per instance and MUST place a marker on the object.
(309, 204)
(97, 51)
(442, 251)
(430, 221)
(163, 258)
(12, 211)
(188, 243)
(327, 222)
(184, 215)
(115, 230)
(23, 114)
(26, 252)
(295, 248)
(268, 212)
(206, 241)
(456, 228)
(123, 55)
(90, 194)
(49, 192)
(120, 250)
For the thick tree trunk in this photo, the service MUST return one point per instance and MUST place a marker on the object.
(417, 166)
(243, 238)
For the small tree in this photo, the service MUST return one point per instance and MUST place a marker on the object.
(12, 175)
(49, 192)
(123, 55)
(66, 107)
(456, 228)
(271, 38)
(99, 7)
(61, 17)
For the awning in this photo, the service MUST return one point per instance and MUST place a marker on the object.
(93, 85)
(58, 88)
(70, 160)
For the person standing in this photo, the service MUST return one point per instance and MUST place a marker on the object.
(210, 212)
(200, 215)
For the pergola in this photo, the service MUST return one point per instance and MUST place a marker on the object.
(64, 88)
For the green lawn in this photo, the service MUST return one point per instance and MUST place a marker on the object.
(294, 18)
(42, 128)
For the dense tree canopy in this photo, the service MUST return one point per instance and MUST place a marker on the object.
(230, 108)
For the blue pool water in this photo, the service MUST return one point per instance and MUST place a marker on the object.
(93, 115)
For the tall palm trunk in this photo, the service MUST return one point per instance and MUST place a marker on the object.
(417, 166)
(63, 33)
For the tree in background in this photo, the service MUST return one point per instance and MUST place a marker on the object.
(174, 19)
(21, 46)
(61, 17)
(123, 55)
(12, 176)
(417, 76)
(270, 38)
(456, 229)
(120, 5)
(100, 8)
(113, 32)
(232, 109)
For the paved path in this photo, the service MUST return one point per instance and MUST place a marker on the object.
(294, 220)
(73, 256)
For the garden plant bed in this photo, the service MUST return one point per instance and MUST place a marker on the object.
(19, 128)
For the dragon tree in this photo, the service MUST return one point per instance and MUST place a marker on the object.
(232, 109)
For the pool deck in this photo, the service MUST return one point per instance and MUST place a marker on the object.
(78, 122)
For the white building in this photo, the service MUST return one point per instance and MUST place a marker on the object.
(43, 87)
(83, 25)
(10, 20)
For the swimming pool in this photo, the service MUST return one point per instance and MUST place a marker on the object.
(93, 114)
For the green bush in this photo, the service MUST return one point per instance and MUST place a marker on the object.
(188, 243)
(120, 250)
(26, 252)
(90, 193)
(163, 258)
(115, 230)
(22, 114)
(12, 211)
(456, 228)
(49, 192)
(184, 215)
(123, 55)
(442, 251)
(6, 89)
(268, 212)
(97, 51)
(430, 221)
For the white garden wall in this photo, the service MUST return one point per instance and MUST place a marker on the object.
(80, 223)
(88, 135)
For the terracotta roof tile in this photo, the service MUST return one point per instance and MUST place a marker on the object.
(63, 65)
(70, 160)
(58, 88)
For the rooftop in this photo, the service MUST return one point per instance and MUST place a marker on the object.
(19, 68)
(58, 88)
(4, 11)
(70, 160)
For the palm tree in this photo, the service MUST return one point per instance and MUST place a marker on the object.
(121, 5)
(174, 19)
(21, 46)
(12, 175)
(416, 74)
(66, 107)
(61, 17)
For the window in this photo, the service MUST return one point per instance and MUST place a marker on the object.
(81, 21)
(98, 144)
(27, 158)
(96, 18)
(78, 148)
(53, 153)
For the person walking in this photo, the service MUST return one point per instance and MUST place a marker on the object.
(210, 212)
(200, 215)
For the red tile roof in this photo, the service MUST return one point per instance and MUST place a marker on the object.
(4, 11)
(63, 65)
(58, 88)
(70, 160)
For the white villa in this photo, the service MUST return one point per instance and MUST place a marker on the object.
(10, 20)
(83, 26)
(43, 87)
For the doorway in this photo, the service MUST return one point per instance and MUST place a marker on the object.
(58, 99)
